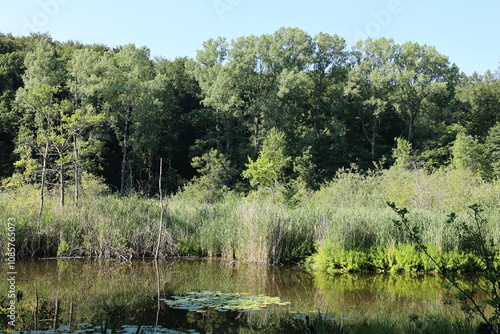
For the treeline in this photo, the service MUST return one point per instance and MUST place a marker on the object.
(280, 112)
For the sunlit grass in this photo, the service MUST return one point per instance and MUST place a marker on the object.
(350, 212)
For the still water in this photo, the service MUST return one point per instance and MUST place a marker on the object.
(69, 292)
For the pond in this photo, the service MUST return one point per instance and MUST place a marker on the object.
(79, 295)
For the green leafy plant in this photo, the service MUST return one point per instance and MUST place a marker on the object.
(212, 183)
(268, 171)
(473, 235)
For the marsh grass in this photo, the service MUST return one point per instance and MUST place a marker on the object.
(347, 217)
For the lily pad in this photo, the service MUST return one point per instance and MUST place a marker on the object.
(200, 301)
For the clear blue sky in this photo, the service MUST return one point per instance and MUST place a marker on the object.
(468, 32)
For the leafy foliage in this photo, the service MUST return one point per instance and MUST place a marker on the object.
(122, 110)
(493, 149)
(268, 171)
(474, 237)
(215, 175)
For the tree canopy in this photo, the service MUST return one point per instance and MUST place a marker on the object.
(249, 113)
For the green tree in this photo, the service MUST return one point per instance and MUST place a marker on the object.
(482, 99)
(86, 70)
(469, 154)
(328, 63)
(269, 170)
(215, 173)
(259, 82)
(128, 70)
(371, 85)
(71, 146)
(256, 83)
(180, 121)
(283, 59)
(215, 81)
(42, 81)
(156, 131)
(11, 64)
(421, 74)
(306, 171)
(492, 145)
(53, 124)
(402, 154)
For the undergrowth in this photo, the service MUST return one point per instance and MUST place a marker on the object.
(346, 223)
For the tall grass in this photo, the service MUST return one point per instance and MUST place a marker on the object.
(348, 214)
(253, 230)
(98, 225)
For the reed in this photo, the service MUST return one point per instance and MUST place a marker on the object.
(349, 214)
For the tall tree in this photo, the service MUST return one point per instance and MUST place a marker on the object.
(285, 56)
(181, 121)
(371, 85)
(482, 97)
(156, 130)
(86, 70)
(492, 145)
(421, 73)
(256, 80)
(215, 84)
(130, 67)
(328, 65)
(11, 68)
(42, 81)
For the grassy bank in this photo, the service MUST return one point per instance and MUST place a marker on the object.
(346, 220)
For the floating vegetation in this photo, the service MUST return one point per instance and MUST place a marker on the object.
(201, 301)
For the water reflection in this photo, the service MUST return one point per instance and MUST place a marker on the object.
(58, 292)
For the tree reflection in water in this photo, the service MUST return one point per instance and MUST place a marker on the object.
(60, 292)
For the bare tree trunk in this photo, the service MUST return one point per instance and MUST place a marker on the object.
(45, 156)
(256, 137)
(61, 186)
(410, 127)
(35, 313)
(315, 124)
(374, 136)
(124, 151)
(62, 170)
(158, 306)
(160, 228)
(413, 109)
(77, 170)
(56, 313)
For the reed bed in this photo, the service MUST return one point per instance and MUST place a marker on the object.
(349, 214)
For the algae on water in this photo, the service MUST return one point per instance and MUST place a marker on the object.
(200, 301)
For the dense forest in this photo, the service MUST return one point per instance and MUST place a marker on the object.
(280, 148)
(279, 111)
